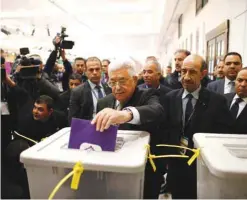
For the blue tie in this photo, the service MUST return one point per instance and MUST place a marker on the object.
(100, 94)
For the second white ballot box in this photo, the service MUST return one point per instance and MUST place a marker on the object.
(221, 166)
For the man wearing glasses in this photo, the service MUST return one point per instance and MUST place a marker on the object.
(132, 108)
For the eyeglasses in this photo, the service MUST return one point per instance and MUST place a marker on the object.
(119, 82)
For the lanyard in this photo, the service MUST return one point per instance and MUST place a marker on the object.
(185, 125)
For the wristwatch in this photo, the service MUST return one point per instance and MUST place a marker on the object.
(129, 110)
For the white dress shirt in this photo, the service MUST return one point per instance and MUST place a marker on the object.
(241, 104)
(94, 92)
(227, 86)
(195, 95)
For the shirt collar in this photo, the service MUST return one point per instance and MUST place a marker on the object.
(195, 94)
(92, 85)
(151, 87)
(236, 97)
(227, 81)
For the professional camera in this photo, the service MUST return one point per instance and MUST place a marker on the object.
(29, 69)
(64, 44)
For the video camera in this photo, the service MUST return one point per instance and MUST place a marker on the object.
(29, 66)
(64, 44)
(29, 69)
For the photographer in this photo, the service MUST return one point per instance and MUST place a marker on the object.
(36, 124)
(29, 78)
(51, 69)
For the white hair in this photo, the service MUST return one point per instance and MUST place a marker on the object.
(157, 64)
(123, 64)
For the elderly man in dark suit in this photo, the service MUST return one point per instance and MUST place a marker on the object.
(190, 110)
(137, 109)
(232, 65)
(84, 98)
(238, 103)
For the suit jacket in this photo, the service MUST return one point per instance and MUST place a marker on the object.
(172, 80)
(81, 101)
(163, 90)
(239, 124)
(37, 130)
(63, 103)
(211, 115)
(217, 86)
(146, 101)
(205, 81)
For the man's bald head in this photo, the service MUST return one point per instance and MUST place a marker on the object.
(192, 72)
(198, 60)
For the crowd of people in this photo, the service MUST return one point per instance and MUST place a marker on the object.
(172, 109)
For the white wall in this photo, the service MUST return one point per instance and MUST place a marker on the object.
(213, 14)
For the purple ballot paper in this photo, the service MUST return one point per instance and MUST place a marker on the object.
(83, 135)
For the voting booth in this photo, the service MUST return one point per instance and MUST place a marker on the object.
(111, 175)
(222, 166)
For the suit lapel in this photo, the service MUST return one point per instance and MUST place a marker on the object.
(229, 98)
(221, 86)
(106, 88)
(132, 100)
(244, 112)
(112, 102)
(179, 108)
(88, 98)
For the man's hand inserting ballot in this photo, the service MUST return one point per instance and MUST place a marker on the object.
(107, 117)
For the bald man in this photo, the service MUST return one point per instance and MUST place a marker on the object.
(190, 110)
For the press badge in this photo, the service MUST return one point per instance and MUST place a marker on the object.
(184, 142)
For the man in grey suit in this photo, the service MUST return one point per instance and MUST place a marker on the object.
(232, 65)
(84, 98)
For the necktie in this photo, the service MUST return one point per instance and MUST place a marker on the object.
(189, 107)
(119, 106)
(232, 84)
(100, 94)
(235, 107)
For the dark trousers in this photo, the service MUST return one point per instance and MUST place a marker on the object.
(5, 132)
(14, 181)
(152, 182)
(182, 179)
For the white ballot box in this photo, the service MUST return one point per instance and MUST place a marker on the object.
(221, 166)
(112, 175)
